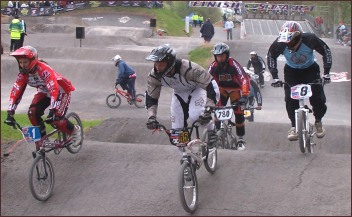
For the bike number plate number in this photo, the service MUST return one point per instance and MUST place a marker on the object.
(224, 114)
(180, 137)
(301, 91)
(247, 113)
(31, 133)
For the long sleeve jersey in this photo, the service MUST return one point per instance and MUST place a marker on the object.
(231, 77)
(258, 64)
(303, 57)
(124, 71)
(46, 80)
(187, 77)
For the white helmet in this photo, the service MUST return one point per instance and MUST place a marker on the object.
(116, 59)
(253, 53)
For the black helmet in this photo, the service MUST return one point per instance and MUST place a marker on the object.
(163, 53)
(221, 48)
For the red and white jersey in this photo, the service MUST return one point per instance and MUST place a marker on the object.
(46, 80)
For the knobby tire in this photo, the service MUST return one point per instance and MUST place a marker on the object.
(75, 119)
(41, 184)
(188, 189)
(113, 101)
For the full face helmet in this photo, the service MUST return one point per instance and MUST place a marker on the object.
(116, 59)
(253, 55)
(221, 48)
(290, 34)
(28, 52)
(163, 53)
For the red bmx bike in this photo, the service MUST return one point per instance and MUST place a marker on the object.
(114, 100)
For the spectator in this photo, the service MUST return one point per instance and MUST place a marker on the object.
(207, 31)
(341, 31)
(224, 19)
(16, 7)
(319, 22)
(195, 20)
(228, 27)
(23, 33)
(200, 20)
(15, 29)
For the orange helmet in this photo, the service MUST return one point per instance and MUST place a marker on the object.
(28, 52)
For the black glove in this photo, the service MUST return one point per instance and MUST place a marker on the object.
(326, 79)
(243, 100)
(10, 120)
(152, 123)
(205, 118)
(276, 83)
(51, 117)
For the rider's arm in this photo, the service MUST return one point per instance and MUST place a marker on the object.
(17, 91)
(321, 47)
(262, 62)
(274, 52)
(152, 94)
(249, 64)
(243, 77)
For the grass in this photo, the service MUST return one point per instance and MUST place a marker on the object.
(8, 134)
(202, 55)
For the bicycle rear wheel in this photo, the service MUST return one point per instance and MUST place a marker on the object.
(75, 120)
(140, 101)
(113, 101)
(232, 141)
(302, 130)
(41, 178)
(188, 187)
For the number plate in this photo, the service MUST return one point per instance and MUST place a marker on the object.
(247, 113)
(31, 133)
(224, 114)
(301, 91)
(179, 137)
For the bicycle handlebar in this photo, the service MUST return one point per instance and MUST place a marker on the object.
(315, 82)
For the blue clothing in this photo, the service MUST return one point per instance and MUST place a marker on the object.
(124, 72)
(301, 59)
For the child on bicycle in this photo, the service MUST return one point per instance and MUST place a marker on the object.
(300, 68)
(54, 91)
(258, 65)
(126, 77)
(195, 91)
(233, 83)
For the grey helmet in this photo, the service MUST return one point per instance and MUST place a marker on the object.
(163, 53)
(221, 48)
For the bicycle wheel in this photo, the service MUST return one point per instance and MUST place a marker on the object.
(211, 158)
(140, 101)
(74, 119)
(41, 178)
(113, 101)
(188, 187)
(232, 141)
(301, 130)
(221, 142)
(310, 145)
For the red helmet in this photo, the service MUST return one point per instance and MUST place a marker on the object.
(28, 52)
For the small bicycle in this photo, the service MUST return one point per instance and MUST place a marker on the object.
(41, 174)
(253, 76)
(114, 100)
(194, 153)
(304, 128)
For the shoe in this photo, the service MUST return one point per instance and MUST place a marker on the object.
(319, 130)
(212, 138)
(262, 86)
(132, 101)
(292, 135)
(76, 135)
(240, 145)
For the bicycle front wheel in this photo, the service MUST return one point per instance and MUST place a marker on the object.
(231, 139)
(140, 101)
(41, 178)
(211, 158)
(188, 187)
(302, 130)
(113, 101)
(75, 120)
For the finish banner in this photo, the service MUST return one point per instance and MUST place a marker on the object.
(216, 4)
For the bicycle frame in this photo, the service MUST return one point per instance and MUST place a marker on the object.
(125, 94)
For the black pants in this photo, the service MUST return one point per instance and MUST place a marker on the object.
(15, 44)
(304, 76)
(21, 40)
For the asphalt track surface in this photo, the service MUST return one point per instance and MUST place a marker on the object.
(124, 169)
